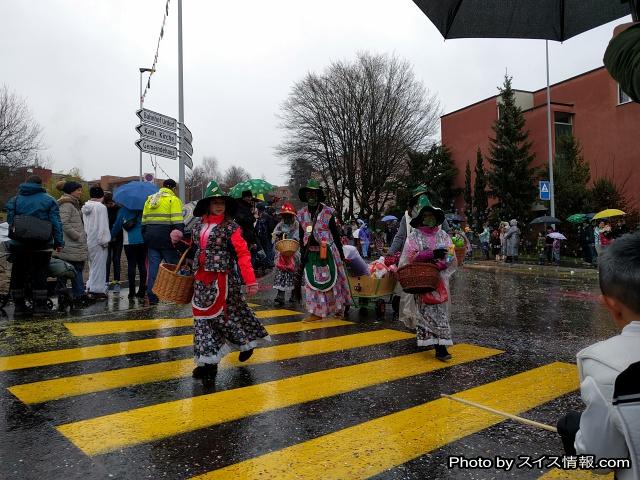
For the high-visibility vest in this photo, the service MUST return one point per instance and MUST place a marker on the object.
(162, 208)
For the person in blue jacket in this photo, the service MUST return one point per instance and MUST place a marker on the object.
(129, 223)
(30, 261)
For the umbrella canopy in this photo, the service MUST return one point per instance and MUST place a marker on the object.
(454, 217)
(544, 219)
(557, 236)
(609, 212)
(389, 218)
(257, 186)
(577, 218)
(134, 194)
(547, 20)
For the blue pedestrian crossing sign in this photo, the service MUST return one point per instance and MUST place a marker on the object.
(545, 190)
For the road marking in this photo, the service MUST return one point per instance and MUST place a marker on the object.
(55, 389)
(87, 329)
(375, 446)
(559, 474)
(110, 432)
(29, 360)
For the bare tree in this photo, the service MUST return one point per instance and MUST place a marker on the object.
(20, 134)
(354, 124)
(197, 178)
(232, 176)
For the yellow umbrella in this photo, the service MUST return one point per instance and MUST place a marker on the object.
(609, 212)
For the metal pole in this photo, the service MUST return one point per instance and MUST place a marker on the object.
(550, 139)
(180, 103)
(140, 108)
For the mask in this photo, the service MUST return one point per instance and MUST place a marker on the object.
(312, 202)
(429, 222)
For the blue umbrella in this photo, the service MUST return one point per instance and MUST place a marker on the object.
(389, 218)
(134, 194)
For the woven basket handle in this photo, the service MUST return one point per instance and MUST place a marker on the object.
(184, 255)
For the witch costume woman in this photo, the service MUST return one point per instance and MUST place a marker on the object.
(223, 321)
(326, 290)
(430, 244)
(285, 266)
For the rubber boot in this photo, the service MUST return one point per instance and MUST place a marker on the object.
(442, 353)
(209, 373)
(279, 298)
(40, 307)
(245, 355)
(18, 302)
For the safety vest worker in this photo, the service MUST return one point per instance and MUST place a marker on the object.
(162, 214)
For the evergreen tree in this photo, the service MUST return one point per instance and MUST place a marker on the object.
(605, 194)
(468, 194)
(571, 173)
(511, 177)
(435, 169)
(480, 200)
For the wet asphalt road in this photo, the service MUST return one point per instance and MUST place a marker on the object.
(373, 424)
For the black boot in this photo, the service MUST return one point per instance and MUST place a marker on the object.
(279, 298)
(40, 307)
(18, 302)
(209, 372)
(246, 355)
(442, 353)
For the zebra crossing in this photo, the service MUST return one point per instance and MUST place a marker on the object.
(277, 416)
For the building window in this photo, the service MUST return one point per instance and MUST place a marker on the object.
(563, 122)
(622, 97)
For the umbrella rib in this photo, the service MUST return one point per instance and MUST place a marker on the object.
(562, 12)
(452, 17)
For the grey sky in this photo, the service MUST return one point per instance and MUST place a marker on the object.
(76, 62)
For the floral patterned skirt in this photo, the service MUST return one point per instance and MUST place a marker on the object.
(234, 327)
(432, 326)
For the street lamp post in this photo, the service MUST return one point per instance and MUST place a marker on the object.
(142, 70)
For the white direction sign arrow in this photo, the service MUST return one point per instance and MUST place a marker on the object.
(186, 159)
(156, 148)
(159, 134)
(186, 133)
(155, 118)
(186, 148)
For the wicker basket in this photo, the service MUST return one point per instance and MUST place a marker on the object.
(419, 277)
(460, 254)
(287, 247)
(172, 287)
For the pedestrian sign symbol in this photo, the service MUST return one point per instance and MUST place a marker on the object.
(545, 191)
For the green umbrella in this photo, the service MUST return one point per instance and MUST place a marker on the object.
(256, 185)
(577, 218)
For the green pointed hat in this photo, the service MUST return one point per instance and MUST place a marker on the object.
(312, 185)
(213, 191)
(419, 190)
(424, 205)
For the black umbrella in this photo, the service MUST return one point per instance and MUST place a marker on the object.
(542, 19)
(544, 219)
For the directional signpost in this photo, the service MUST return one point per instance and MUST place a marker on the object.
(186, 150)
(155, 118)
(188, 162)
(157, 148)
(156, 133)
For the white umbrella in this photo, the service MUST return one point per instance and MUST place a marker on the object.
(557, 235)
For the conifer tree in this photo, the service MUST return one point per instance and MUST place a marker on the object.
(480, 200)
(468, 194)
(511, 177)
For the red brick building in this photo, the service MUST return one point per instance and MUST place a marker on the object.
(590, 106)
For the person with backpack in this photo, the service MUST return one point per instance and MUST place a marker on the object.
(35, 231)
(128, 224)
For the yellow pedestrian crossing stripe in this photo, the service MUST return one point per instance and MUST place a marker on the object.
(30, 360)
(558, 474)
(86, 329)
(110, 432)
(48, 390)
(375, 446)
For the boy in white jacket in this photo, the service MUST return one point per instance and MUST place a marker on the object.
(96, 225)
(609, 427)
